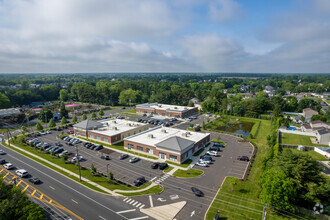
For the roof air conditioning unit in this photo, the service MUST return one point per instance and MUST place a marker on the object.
(175, 107)
(184, 134)
(163, 130)
(150, 136)
(114, 122)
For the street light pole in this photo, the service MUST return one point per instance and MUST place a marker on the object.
(78, 162)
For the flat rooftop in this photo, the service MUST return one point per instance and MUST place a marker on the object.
(158, 134)
(156, 106)
(115, 126)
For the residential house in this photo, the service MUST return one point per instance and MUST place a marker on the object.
(308, 113)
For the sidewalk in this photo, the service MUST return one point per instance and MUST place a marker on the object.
(114, 192)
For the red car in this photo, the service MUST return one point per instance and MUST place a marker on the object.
(69, 132)
(244, 158)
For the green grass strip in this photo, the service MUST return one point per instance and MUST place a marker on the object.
(188, 173)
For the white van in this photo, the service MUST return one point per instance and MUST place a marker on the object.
(21, 173)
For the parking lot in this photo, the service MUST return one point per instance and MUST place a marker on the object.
(175, 189)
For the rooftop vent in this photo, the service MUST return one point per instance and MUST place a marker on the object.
(114, 122)
(115, 128)
(184, 135)
(129, 124)
(150, 136)
(163, 130)
(175, 107)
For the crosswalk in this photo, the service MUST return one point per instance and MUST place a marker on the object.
(134, 203)
(162, 178)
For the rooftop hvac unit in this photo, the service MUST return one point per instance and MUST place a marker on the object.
(175, 107)
(185, 107)
(114, 122)
(188, 132)
(184, 134)
(115, 128)
(163, 130)
(129, 124)
(150, 136)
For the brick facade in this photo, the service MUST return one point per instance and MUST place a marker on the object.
(166, 113)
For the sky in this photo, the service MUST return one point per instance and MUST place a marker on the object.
(83, 36)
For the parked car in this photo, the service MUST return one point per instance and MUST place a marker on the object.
(59, 144)
(201, 163)
(98, 147)
(92, 147)
(34, 180)
(217, 144)
(215, 148)
(21, 173)
(43, 132)
(105, 157)
(123, 156)
(139, 120)
(244, 158)
(59, 150)
(206, 159)
(197, 192)
(163, 166)
(65, 152)
(69, 132)
(154, 165)
(74, 159)
(139, 181)
(134, 159)
(8, 166)
(2, 161)
(48, 132)
(2, 152)
(69, 143)
(58, 129)
(212, 153)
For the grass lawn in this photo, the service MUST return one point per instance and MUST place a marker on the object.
(152, 190)
(188, 173)
(295, 139)
(168, 169)
(129, 112)
(101, 180)
(184, 164)
(198, 152)
(311, 153)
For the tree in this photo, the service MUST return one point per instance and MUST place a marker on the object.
(277, 190)
(94, 115)
(64, 157)
(93, 169)
(319, 117)
(51, 123)
(52, 152)
(101, 113)
(64, 121)
(64, 95)
(63, 112)
(45, 115)
(233, 183)
(203, 125)
(74, 119)
(24, 130)
(15, 204)
(129, 96)
(4, 101)
(110, 176)
(39, 127)
(84, 117)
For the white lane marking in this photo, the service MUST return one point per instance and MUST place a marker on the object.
(102, 217)
(129, 210)
(138, 205)
(151, 202)
(173, 197)
(192, 213)
(52, 187)
(125, 199)
(82, 194)
(161, 200)
(132, 202)
(74, 201)
(138, 218)
(128, 200)
(153, 178)
(135, 203)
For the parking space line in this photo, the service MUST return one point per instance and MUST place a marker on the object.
(138, 218)
(151, 202)
(25, 188)
(236, 173)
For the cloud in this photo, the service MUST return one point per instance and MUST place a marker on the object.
(225, 10)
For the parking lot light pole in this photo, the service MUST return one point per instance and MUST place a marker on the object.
(108, 169)
(78, 163)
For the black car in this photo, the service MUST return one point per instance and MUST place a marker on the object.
(85, 144)
(60, 150)
(217, 144)
(34, 180)
(139, 120)
(2, 161)
(123, 156)
(197, 192)
(154, 165)
(140, 181)
(99, 147)
(93, 147)
(244, 158)
(59, 144)
(69, 143)
(89, 146)
(215, 148)
(163, 166)
(105, 157)
(206, 158)
(58, 129)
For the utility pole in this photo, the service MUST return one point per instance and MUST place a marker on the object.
(78, 162)
(264, 213)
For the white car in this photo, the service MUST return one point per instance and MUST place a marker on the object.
(204, 161)
(22, 173)
(74, 159)
(212, 153)
(8, 166)
(2, 152)
(48, 132)
(201, 163)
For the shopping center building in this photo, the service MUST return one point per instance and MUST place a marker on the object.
(166, 110)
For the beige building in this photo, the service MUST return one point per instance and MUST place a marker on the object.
(308, 113)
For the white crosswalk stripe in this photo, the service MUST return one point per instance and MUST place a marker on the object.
(161, 179)
(133, 202)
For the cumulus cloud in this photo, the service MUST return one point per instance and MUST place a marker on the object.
(225, 10)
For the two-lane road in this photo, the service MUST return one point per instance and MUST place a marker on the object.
(84, 202)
